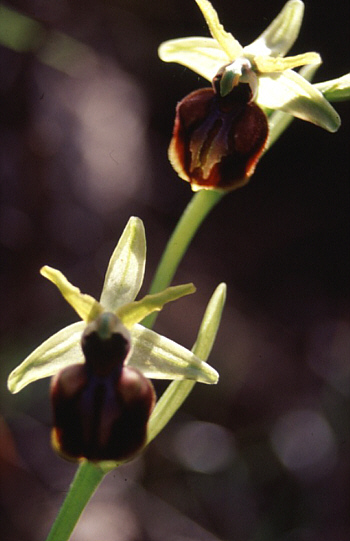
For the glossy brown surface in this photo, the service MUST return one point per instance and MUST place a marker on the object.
(101, 408)
(100, 418)
(217, 141)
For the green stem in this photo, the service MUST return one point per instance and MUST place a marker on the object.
(194, 214)
(84, 484)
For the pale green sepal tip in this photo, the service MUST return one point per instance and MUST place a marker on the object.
(210, 323)
(291, 93)
(201, 55)
(126, 267)
(136, 311)
(281, 34)
(85, 306)
(157, 357)
(60, 350)
(336, 89)
(278, 120)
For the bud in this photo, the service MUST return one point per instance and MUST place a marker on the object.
(101, 408)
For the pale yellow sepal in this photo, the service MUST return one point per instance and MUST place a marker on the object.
(291, 93)
(60, 350)
(126, 267)
(85, 306)
(278, 120)
(158, 357)
(136, 311)
(227, 42)
(281, 34)
(201, 55)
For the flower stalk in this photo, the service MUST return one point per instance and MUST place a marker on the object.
(85, 482)
(193, 216)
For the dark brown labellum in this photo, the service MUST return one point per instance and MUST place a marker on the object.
(217, 141)
(101, 413)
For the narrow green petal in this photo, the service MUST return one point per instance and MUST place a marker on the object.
(126, 267)
(85, 306)
(290, 92)
(201, 55)
(57, 352)
(136, 311)
(281, 34)
(226, 41)
(158, 357)
(269, 64)
(336, 89)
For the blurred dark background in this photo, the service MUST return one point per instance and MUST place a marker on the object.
(86, 117)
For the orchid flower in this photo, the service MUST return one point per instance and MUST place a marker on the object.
(109, 341)
(263, 61)
(220, 133)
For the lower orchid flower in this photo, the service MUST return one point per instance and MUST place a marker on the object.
(101, 395)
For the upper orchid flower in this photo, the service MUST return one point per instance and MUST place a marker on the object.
(101, 396)
(220, 133)
(262, 63)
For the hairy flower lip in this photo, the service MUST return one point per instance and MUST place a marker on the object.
(291, 92)
(217, 140)
(101, 408)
